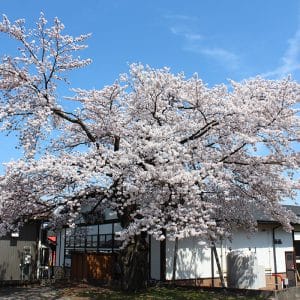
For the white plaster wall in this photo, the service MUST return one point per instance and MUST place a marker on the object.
(297, 236)
(60, 247)
(155, 259)
(194, 260)
(287, 245)
(261, 243)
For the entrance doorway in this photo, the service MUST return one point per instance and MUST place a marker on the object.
(290, 267)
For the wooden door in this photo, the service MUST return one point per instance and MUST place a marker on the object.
(290, 267)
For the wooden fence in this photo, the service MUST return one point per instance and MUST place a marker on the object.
(92, 266)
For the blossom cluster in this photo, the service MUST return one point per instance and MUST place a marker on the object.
(166, 152)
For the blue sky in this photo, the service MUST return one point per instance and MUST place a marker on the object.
(217, 39)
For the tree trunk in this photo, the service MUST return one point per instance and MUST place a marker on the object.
(134, 264)
(218, 264)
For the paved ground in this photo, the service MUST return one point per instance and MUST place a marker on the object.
(35, 293)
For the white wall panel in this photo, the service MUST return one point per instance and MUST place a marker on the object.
(194, 260)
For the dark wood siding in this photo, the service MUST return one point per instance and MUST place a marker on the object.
(92, 266)
(12, 252)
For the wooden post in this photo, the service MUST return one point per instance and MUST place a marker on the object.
(163, 258)
(112, 237)
(218, 264)
(212, 267)
(149, 243)
(98, 232)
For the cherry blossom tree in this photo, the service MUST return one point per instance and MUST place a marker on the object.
(169, 154)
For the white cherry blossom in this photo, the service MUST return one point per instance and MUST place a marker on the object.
(166, 152)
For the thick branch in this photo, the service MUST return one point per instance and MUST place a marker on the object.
(233, 152)
(77, 121)
(200, 132)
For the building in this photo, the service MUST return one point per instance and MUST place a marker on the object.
(87, 252)
(267, 256)
(21, 253)
(276, 253)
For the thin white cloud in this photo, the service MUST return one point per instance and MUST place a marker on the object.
(193, 36)
(183, 26)
(180, 17)
(223, 56)
(184, 32)
(290, 61)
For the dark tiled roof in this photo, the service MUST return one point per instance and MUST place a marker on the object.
(294, 208)
(262, 217)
